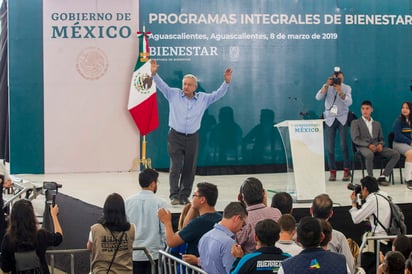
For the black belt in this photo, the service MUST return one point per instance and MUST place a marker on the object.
(183, 134)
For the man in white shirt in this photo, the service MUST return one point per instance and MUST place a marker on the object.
(374, 208)
(141, 210)
(367, 135)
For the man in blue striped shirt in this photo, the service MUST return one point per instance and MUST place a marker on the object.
(186, 111)
(337, 98)
(215, 246)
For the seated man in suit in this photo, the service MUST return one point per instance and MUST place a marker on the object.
(367, 135)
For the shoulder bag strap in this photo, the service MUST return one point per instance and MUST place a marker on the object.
(115, 252)
(334, 100)
(377, 210)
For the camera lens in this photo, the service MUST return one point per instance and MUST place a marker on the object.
(354, 187)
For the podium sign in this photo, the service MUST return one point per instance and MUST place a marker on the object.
(305, 142)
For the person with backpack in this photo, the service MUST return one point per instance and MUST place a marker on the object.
(23, 249)
(377, 209)
(111, 239)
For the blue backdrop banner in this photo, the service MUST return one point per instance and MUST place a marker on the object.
(281, 52)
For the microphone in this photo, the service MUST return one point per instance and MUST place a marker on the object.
(303, 114)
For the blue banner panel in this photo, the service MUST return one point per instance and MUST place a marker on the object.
(26, 86)
(281, 53)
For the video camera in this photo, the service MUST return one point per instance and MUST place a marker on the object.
(355, 187)
(335, 79)
(50, 191)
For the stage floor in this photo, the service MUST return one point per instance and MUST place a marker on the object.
(93, 188)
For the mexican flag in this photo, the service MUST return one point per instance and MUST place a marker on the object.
(142, 97)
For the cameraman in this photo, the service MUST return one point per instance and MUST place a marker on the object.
(338, 98)
(373, 206)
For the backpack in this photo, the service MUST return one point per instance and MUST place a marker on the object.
(397, 224)
(27, 262)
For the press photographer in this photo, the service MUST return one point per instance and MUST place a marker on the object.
(373, 207)
(337, 98)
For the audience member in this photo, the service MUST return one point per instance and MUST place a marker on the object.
(5, 182)
(355, 250)
(111, 239)
(203, 200)
(322, 208)
(267, 258)
(309, 234)
(408, 265)
(252, 194)
(141, 210)
(215, 246)
(287, 225)
(24, 237)
(181, 249)
(327, 236)
(368, 137)
(188, 213)
(283, 201)
(327, 233)
(402, 244)
(394, 263)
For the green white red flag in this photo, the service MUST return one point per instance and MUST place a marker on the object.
(142, 103)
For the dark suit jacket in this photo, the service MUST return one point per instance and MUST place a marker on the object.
(360, 134)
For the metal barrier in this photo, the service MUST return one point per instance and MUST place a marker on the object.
(376, 241)
(169, 264)
(73, 252)
(19, 188)
(149, 256)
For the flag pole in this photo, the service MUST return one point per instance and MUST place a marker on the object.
(146, 162)
(141, 85)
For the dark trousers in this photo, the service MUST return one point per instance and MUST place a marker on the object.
(330, 144)
(144, 267)
(388, 153)
(183, 150)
